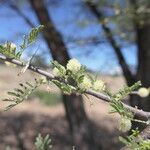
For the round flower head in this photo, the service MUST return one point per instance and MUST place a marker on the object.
(143, 92)
(73, 65)
(125, 125)
(86, 83)
(58, 73)
(99, 85)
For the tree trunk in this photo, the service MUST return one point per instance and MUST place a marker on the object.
(129, 77)
(143, 44)
(143, 68)
(81, 130)
(143, 72)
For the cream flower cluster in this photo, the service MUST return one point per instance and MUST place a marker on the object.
(73, 65)
(143, 92)
(125, 124)
(99, 85)
(86, 83)
(12, 46)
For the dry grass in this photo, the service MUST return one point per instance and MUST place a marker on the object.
(26, 120)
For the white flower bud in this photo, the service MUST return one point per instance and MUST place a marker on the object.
(73, 65)
(86, 83)
(125, 124)
(99, 85)
(143, 92)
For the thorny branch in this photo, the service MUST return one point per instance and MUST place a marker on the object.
(135, 111)
(145, 115)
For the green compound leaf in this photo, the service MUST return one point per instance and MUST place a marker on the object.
(117, 106)
(34, 34)
(22, 93)
(126, 91)
(29, 39)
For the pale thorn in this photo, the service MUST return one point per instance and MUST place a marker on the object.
(23, 70)
(26, 67)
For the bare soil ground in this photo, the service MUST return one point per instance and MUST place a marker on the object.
(19, 126)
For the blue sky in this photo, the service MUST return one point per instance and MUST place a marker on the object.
(68, 18)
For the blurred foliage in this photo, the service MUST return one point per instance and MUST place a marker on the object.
(46, 97)
(121, 16)
(43, 143)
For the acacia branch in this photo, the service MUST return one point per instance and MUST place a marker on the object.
(125, 68)
(135, 111)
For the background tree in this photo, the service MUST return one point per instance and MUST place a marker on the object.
(130, 18)
(141, 29)
(78, 121)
